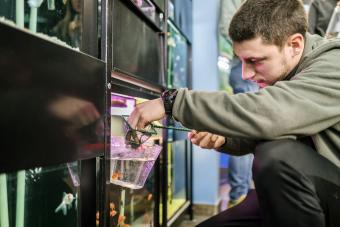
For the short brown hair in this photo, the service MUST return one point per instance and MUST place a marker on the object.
(272, 20)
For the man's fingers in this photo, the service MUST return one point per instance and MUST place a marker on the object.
(133, 118)
(143, 122)
(214, 137)
(219, 142)
(191, 134)
(196, 137)
(205, 141)
(136, 119)
(200, 136)
(146, 112)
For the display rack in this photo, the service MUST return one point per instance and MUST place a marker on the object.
(49, 159)
(116, 47)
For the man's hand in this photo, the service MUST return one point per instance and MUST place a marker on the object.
(206, 140)
(147, 112)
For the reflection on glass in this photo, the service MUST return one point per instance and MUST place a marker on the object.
(138, 41)
(43, 196)
(54, 18)
(81, 117)
(147, 8)
(177, 74)
(132, 192)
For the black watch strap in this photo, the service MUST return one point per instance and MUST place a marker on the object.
(168, 97)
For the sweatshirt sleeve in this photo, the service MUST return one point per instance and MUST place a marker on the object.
(303, 106)
(237, 146)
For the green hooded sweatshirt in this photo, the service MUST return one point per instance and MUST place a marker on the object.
(305, 103)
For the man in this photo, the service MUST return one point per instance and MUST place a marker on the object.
(293, 123)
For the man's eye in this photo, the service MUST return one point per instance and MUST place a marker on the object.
(255, 61)
(251, 61)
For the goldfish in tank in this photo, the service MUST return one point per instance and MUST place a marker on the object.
(116, 176)
(121, 219)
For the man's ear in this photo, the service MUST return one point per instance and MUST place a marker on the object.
(296, 43)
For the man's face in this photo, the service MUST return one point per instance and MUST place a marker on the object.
(263, 63)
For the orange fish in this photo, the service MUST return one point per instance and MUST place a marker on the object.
(121, 219)
(149, 197)
(116, 175)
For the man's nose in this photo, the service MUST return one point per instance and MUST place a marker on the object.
(248, 71)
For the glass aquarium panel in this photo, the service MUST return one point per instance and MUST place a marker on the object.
(59, 20)
(147, 7)
(42, 196)
(132, 207)
(177, 70)
(176, 176)
(136, 46)
(132, 191)
(151, 11)
(180, 11)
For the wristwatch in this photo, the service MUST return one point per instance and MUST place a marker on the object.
(168, 97)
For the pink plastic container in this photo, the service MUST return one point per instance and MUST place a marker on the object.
(131, 167)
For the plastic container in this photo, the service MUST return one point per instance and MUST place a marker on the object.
(131, 167)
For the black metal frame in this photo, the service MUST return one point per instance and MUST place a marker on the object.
(106, 55)
(90, 181)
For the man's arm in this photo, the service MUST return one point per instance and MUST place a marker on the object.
(303, 106)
